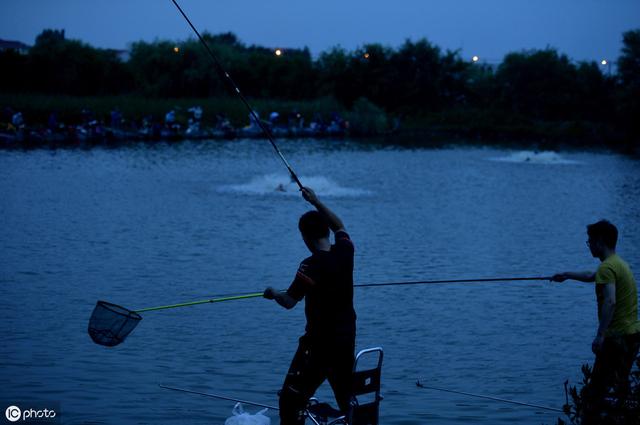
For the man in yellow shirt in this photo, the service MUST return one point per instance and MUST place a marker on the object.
(618, 337)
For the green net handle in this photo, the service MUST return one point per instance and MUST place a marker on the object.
(213, 300)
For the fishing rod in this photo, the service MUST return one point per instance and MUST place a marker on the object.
(255, 117)
(472, 280)
(554, 409)
(220, 397)
(433, 282)
(110, 323)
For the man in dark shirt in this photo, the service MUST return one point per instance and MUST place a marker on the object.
(325, 280)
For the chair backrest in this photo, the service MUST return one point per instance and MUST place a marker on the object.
(365, 388)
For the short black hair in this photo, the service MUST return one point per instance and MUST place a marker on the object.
(313, 225)
(605, 232)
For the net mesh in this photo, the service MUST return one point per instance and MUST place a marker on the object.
(110, 324)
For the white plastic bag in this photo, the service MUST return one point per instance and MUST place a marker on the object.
(240, 417)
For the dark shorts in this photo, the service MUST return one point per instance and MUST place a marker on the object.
(314, 362)
(613, 365)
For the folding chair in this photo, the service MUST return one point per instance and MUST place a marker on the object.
(365, 396)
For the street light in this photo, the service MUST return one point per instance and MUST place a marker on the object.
(176, 49)
(603, 62)
(366, 55)
(278, 52)
(606, 63)
(475, 58)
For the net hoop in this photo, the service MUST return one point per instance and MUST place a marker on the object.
(110, 323)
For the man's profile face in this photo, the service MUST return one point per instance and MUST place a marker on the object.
(595, 246)
(307, 243)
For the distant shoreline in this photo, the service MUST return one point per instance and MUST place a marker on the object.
(364, 122)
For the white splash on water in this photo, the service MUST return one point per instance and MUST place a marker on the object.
(535, 157)
(281, 184)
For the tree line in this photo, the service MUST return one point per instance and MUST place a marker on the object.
(416, 78)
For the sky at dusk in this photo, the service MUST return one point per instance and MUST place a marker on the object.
(583, 29)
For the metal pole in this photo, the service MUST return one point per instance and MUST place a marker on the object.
(213, 300)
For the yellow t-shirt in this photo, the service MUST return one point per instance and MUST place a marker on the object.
(625, 315)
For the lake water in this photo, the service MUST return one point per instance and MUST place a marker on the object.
(154, 225)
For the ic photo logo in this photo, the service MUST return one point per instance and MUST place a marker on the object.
(13, 413)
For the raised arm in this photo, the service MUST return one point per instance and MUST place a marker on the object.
(587, 276)
(335, 224)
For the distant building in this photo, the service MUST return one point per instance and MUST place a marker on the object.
(18, 46)
(123, 55)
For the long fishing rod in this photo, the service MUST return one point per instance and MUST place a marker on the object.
(220, 397)
(554, 409)
(221, 70)
(429, 282)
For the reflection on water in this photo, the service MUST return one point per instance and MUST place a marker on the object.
(162, 224)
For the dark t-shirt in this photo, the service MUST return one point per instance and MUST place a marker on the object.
(326, 281)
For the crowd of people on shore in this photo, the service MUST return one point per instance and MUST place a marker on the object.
(177, 124)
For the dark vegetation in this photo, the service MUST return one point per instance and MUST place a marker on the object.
(417, 88)
(617, 410)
